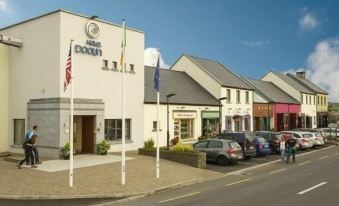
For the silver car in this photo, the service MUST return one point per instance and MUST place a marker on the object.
(221, 151)
(304, 139)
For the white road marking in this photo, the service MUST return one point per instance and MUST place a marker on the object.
(323, 157)
(305, 163)
(311, 188)
(238, 182)
(276, 171)
(175, 198)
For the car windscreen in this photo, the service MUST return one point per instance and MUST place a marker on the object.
(234, 145)
(261, 140)
(306, 135)
(278, 136)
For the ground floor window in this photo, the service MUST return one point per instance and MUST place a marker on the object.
(19, 131)
(183, 128)
(210, 127)
(261, 123)
(238, 124)
(247, 123)
(228, 123)
(113, 129)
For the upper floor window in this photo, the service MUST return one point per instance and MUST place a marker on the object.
(302, 99)
(322, 101)
(318, 100)
(314, 100)
(306, 99)
(247, 97)
(310, 99)
(228, 95)
(238, 96)
(325, 103)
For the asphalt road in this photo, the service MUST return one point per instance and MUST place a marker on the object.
(313, 180)
(276, 184)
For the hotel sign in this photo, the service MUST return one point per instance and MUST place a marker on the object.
(92, 47)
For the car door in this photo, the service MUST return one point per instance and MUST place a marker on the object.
(201, 146)
(213, 149)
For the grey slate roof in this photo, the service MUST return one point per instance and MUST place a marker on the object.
(219, 72)
(308, 84)
(294, 83)
(188, 91)
(271, 91)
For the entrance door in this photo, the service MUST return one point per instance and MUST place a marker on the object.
(88, 134)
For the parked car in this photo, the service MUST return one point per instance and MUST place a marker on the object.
(245, 140)
(262, 147)
(326, 132)
(318, 139)
(221, 151)
(273, 138)
(304, 139)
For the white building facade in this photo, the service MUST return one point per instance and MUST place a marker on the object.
(237, 109)
(36, 79)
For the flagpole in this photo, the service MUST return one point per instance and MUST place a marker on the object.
(71, 124)
(123, 158)
(158, 100)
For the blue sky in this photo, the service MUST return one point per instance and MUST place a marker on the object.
(250, 37)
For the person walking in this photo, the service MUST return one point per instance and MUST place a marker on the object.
(282, 148)
(28, 146)
(291, 142)
(29, 134)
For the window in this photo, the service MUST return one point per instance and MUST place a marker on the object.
(105, 63)
(19, 131)
(325, 101)
(228, 123)
(306, 99)
(322, 101)
(247, 121)
(115, 65)
(113, 130)
(314, 100)
(310, 99)
(302, 99)
(318, 100)
(228, 95)
(215, 144)
(247, 97)
(238, 96)
(131, 68)
(201, 144)
(155, 126)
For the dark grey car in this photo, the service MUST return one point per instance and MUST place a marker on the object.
(221, 151)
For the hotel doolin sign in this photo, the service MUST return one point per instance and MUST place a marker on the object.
(92, 47)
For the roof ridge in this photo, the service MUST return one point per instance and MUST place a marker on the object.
(297, 78)
(260, 91)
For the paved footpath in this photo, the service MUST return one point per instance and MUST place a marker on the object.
(97, 181)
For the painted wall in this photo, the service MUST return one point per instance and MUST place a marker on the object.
(322, 106)
(286, 108)
(151, 111)
(4, 91)
(199, 75)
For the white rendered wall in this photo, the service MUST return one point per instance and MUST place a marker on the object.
(4, 91)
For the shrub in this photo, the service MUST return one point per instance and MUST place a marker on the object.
(103, 147)
(182, 148)
(149, 144)
(65, 151)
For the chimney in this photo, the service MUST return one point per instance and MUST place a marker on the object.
(301, 74)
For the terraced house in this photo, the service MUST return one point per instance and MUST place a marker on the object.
(307, 97)
(234, 95)
(273, 109)
(321, 98)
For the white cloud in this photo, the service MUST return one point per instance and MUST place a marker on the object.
(322, 67)
(308, 22)
(4, 6)
(256, 43)
(151, 58)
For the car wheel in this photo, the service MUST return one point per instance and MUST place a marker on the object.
(221, 160)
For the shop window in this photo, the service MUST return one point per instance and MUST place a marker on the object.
(113, 129)
(228, 123)
(19, 131)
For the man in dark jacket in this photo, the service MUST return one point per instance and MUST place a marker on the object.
(28, 146)
(291, 142)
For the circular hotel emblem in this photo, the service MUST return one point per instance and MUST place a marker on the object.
(92, 29)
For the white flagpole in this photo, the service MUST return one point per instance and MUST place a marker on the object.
(71, 123)
(158, 99)
(123, 158)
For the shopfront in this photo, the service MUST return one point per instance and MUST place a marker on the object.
(210, 123)
(184, 125)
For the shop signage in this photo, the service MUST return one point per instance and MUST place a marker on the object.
(91, 47)
(184, 115)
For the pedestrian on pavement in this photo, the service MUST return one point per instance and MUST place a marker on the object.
(29, 134)
(291, 142)
(282, 148)
(28, 146)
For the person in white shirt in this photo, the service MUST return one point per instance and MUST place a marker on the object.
(282, 148)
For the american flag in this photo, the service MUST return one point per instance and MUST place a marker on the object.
(68, 69)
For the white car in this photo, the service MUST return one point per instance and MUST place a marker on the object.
(304, 139)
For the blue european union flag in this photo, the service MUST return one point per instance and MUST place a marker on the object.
(157, 77)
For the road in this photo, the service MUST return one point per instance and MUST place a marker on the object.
(313, 180)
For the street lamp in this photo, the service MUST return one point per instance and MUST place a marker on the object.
(220, 99)
(168, 134)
